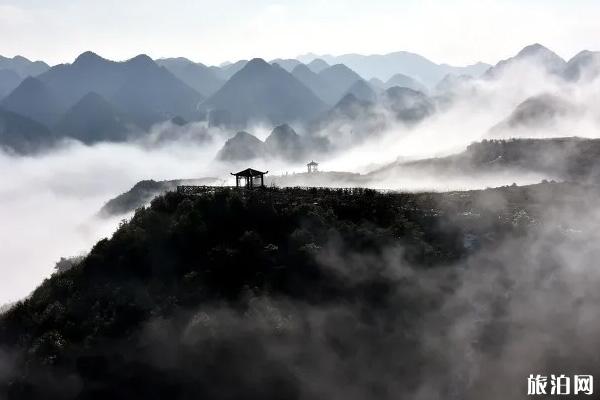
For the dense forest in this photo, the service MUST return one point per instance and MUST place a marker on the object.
(288, 294)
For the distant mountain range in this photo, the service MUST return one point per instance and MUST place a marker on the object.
(95, 99)
(386, 66)
(138, 87)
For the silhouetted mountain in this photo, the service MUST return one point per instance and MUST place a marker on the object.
(540, 111)
(313, 81)
(243, 146)
(9, 80)
(585, 65)
(23, 135)
(339, 78)
(408, 105)
(287, 64)
(261, 91)
(535, 54)
(285, 143)
(33, 99)
(23, 66)
(402, 80)
(387, 65)
(317, 65)
(93, 119)
(362, 91)
(196, 75)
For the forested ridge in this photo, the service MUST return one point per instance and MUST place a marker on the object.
(216, 295)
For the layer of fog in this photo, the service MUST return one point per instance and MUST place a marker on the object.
(48, 203)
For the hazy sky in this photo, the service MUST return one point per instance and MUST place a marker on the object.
(451, 31)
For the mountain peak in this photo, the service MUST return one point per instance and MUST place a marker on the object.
(257, 63)
(87, 58)
(317, 65)
(20, 59)
(141, 59)
(283, 129)
(339, 68)
(534, 49)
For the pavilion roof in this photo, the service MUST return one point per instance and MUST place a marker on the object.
(249, 172)
(312, 163)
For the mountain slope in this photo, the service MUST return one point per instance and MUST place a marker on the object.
(338, 78)
(362, 91)
(144, 191)
(542, 111)
(23, 135)
(35, 100)
(312, 81)
(261, 91)
(9, 80)
(584, 65)
(93, 119)
(197, 76)
(570, 158)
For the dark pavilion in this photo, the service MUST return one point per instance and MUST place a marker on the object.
(251, 177)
